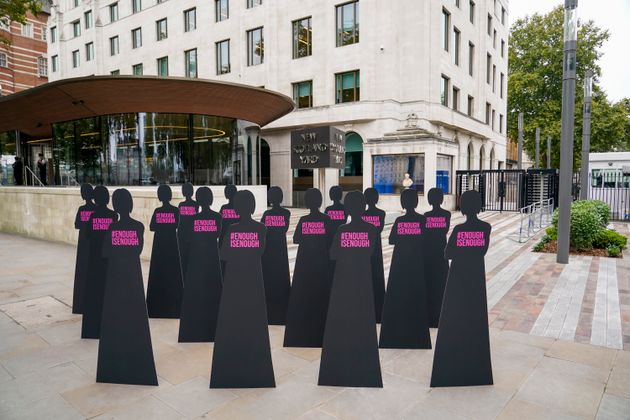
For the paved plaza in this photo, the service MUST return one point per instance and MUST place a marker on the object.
(560, 338)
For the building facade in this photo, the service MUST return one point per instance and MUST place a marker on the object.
(23, 60)
(418, 87)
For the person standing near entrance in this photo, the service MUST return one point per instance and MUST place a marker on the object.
(42, 165)
(18, 169)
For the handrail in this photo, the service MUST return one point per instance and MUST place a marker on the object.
(536, 216)
(26, 168)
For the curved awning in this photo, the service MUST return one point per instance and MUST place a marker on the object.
(34, 110)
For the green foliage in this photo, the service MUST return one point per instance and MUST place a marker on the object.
(552, 233)
(613, 251)
(585, 224)
(16, 11)
(606, 238)
(601, 209)
(535, 86)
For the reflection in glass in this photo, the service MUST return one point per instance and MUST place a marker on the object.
(90, 158)
(389, 171)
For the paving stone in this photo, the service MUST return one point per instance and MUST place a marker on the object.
(619, 382)
(522, 410)
(194, 398)
(613, 407)
(146, 408)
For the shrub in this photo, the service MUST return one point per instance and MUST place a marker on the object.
(552, 233)
(585, 224)
(602, 209)
(606, 238)
(541, 244)
(613, 251)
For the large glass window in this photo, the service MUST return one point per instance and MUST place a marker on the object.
(347, 87)
(255, 47)
(55, 63)
(161, 28)
(221, 10)
(444, 168)
(90, 160)
(214, 150)
(190, 60)
(190, 20)
(64, 151)
(302, 38)
(303, 94)
(8, 150)
(162, 66)
(389, 172)
(136, 38)
(223, 56)
(347, 23)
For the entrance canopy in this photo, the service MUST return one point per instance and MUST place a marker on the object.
(33, 111)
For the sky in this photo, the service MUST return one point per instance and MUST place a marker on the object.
(613, 15)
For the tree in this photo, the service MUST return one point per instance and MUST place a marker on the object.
(16, 11)
(535, 85)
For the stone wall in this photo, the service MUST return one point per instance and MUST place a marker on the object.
(48, 213)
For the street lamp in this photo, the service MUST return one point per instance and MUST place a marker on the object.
(586, 134)
(519, 158)
(548, 152)
(537, 155)
(566, 140)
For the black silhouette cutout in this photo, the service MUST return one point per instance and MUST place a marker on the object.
(337, 213)
(275, 260)
(99, 223)
(187, 209)
(228, 215)
(165, 287)
(242, 354)
(202, 293)
(376, 217)
(462, 348)
(310, 290)
(405, 323)
(350, 349)
(435, 265)
(81, 222)
(125, 355)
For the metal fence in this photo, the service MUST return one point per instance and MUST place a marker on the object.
(533, 218)
(611, 187)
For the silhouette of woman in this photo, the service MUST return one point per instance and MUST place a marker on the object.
(435, 265)
(462, 348)
(310, 290)
(228, 215)
(187, 209)
(275, 260)
(350, 349)
(242, 354)
(80, 269)
(405, 323)
(165, 287)
(337, 213)
(202, 293)
(376, 217)
(98, 223)
(125, 355)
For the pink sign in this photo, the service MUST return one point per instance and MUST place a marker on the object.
(375, 220)
(409, 228)
(165, 218)
(436, 222)
(205, 225)
(229, 214)
(187, 210)
(355, 240)
(85, 215)
(274, 221)
(336, 214)
(471, 239)
(313, 228)
(125, 238)
(244, 240)
(101, 223)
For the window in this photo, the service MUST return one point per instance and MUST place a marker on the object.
(162, 66)
(221, 10)
(501, 79)
(471, 58)
(87, 19)
(488, 107)
(136, 6)
(494, 76)
(75, 59)
(161, 29)
(223, 56)
(502, 48)
(44, 32)
(446, 27)
(444, 167)
(136, 38)
(115, 72)
(27, 30)
(347, 23)
(389, 170)
(501, 123)
(303, 94)
(3, 60)
(456, 3)
(4, 24)
(76, 28)
(493, 114)
(347, 87)
(489, 24)
(113, 12)
(471, 106)
(444, 82)
(471, 12)
(190, 62)
(76, 3)
(114, 45)
(89, 51)
(55, 63)
(253, 3)
(503, 16)
(137, 69)
(455, 98)
(488, 67)
(255, 47)
(190, 20)
(456, 41)
(302, 38)
(494, 39)
(53, 34)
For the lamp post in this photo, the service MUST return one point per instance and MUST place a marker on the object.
(548, 152)
(586, 134)
(566, 140)
(537, 148)
(519, 158)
